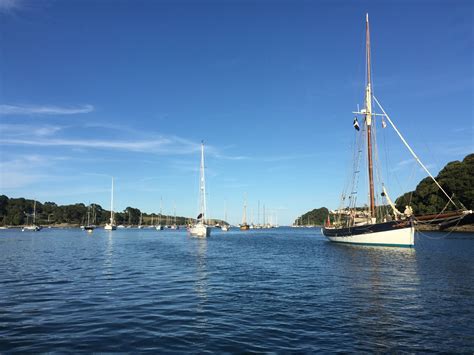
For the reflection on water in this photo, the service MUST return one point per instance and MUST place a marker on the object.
(201, 282)
(379, 281)
(281, 290)
(108, 254)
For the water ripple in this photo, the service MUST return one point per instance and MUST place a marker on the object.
(281, 290)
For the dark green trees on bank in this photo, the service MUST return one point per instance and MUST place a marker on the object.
(456, 178)
(19, 211)
(314, 217)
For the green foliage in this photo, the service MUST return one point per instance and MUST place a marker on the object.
(314, 217)
(18, 211)
(456, 178)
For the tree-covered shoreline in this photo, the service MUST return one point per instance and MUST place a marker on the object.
(19, 211)
(456, 178)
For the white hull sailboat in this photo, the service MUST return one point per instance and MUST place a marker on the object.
(174, 225)
(111, 225)
(225, 226)
(201, 229)
(32, 227)
(404, 236)
(380, 224)
(89, 227)
(159, 226)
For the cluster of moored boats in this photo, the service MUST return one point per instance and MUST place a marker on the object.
(381, 223)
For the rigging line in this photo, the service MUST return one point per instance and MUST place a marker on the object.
(445, 235)
(437, 216)
(381, 211)
(355, 177)
(350, 174)
(413, 153)
(378, 170)
(385, 150)
(412, 191)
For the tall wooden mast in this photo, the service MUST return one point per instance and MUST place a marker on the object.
(368, 121)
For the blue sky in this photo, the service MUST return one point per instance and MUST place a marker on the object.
(94, 89)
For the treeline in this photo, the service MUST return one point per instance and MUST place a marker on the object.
(456, 178)
(312, 218)
(19, 211)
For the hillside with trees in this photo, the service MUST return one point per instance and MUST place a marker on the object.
(18, 211)
(456, 178)
(312, 218)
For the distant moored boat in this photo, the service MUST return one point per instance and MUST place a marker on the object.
(111, 225)
(200, 228)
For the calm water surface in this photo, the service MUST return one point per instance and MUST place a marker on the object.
(282, 290)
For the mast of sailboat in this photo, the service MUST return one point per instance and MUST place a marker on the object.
(368, 121)
(225, 211)
(258, 213)
(161, 211)
(34, 213)
(244, 215)
(112, 204)
(174, 206)
(202, 188)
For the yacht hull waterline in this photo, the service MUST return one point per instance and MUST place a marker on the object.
(200, 230)
(394, 234)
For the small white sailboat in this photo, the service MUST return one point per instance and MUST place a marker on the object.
(32, 227)
(380, 223)
(111, 225)
(140, 221)
(159, 226)
(174, 225)
(200, 228)
(225, 226)
(89, 227)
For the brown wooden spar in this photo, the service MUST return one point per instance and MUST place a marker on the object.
(440, 217)
(368, 121)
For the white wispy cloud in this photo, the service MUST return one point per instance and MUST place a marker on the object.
(7, 6)
(20, 171)
(288, 157)
(410, 164)
(405, 162)
(162, 145)
(18, 130)
(268, 159)
(44, 110)
(230, 157)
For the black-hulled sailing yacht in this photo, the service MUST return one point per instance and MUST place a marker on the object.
(374, 225)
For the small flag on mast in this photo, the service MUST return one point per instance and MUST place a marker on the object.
(356, 124)
(328, 222)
